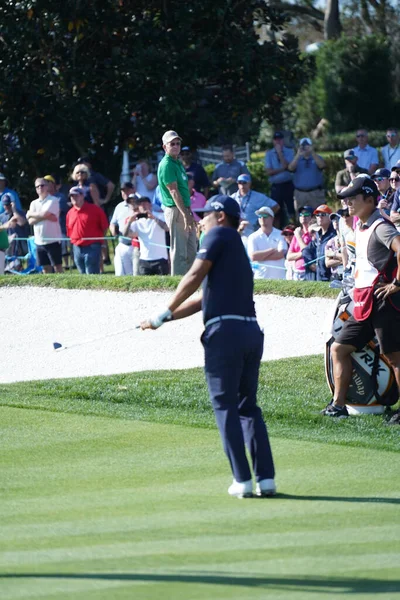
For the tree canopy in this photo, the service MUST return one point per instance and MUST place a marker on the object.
(81, 77)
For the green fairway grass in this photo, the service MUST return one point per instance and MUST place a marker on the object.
(103, 508)
(291, 392)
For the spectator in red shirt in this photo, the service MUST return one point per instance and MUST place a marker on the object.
(86, 227)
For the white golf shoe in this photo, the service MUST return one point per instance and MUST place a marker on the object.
(265, 488)
(242, 489)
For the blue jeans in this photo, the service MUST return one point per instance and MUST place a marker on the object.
(87, 258)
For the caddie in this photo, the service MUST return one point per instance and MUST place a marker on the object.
(376, 292)
(232, 340)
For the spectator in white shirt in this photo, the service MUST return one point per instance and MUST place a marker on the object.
(150, 230)
(44, 214)
(367, 155)
(391, 152)
(267, 247)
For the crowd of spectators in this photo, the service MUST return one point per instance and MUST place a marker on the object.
(292, 233)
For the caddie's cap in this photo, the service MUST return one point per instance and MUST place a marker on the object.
(349, 154)
(244, 178)
(265, 211)
(75, 191)
(6, 199)
(362, 184)
(49, 178)
(220, 202)
(305, 141)
(385, 173)
(322, 208)
(169, 136)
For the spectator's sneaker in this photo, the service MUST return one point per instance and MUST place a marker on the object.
(395, 420)
(265, 488)
(334, 410)
(243, 489)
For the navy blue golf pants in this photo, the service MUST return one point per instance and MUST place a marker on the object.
(233, 351)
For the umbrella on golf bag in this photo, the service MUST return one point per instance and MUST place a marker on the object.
(373, 385)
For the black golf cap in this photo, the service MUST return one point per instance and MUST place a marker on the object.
(220, 202)
(360, 185)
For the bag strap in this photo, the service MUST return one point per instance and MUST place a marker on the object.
(374, 373)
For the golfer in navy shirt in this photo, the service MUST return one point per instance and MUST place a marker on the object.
(232, 340)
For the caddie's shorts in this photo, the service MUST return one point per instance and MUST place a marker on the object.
(384, 322)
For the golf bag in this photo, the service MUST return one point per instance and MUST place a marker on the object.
(373, 384)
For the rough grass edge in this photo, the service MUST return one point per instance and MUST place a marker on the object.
(297, 289)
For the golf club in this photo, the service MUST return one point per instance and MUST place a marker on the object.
(58, 346)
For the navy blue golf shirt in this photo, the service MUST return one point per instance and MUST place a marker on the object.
(228, 287)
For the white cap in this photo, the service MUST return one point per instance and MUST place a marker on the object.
(305, 141)
(169, 136)
(2, 176)
(265, 211)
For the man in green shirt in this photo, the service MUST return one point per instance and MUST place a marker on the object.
(175, 196)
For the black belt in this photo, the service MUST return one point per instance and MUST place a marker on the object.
(310, 189)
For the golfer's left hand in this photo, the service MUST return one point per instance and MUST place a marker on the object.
(147, 325)
(383, 290)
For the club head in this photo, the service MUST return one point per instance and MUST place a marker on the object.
(57, 345)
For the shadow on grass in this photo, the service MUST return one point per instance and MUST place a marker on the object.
(332, 585)
(362, 499)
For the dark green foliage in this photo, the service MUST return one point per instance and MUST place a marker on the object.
(352, 87)
(95, 76)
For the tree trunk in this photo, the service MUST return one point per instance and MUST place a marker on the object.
(332, 25)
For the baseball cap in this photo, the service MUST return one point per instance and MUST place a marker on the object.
(265, 211)
(334, 216)
(306, 209)
(220, 202)
(127, 184)
(278, 135)
(244, 177)
(185, 149)
(169, 136)
(394, 168)
(6, 199)
(49, 178)
(322, 208)
(288, 230)
(75, 191)
(362, 184)
(381, 173)
(2, 176)
(349, 154)
(343, 212)
(305, 141)
(134, 197)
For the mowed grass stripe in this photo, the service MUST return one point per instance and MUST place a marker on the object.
(291, 393)
(172, 531)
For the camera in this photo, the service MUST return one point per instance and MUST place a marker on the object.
(143, 215)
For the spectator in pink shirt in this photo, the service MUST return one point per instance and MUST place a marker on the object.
(301, 238)
(197, 199)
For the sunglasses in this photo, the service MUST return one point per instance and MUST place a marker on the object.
(361, 135)
(305, 214)
(394, 179)
(380, 178)
(81, 172)
(40, 185)
(174, 143)
(322, 215)
(390, 135)
(287, 234)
